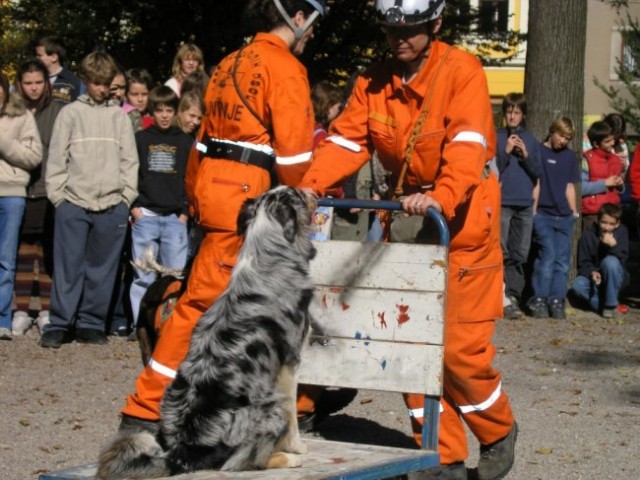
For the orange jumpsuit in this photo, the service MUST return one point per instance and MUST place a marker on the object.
(453, 146)
(275, 84)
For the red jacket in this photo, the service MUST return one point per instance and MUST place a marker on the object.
(602, 165)
(634, 174)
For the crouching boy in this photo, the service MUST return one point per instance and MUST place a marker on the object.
(602, 253)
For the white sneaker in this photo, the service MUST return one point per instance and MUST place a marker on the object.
(42, 320)
(21, 323)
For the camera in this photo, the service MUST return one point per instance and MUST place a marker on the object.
(516, 151)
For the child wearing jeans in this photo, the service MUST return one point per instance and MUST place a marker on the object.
(602, 253)
(91, 179)
(160, 212)
(602, 179)
(555, 213)
(518, 162)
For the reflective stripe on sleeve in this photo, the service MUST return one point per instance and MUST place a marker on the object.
(484, 405)
(161, 369)
(301, 158)
(468, 136)
(344, 143)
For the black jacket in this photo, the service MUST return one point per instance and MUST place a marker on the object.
(591, 251)
(163, 158)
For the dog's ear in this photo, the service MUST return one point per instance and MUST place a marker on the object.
(246, 215)
(286, 216)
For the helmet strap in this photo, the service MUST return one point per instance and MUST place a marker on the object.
(297, 31)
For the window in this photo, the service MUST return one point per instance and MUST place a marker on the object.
(625, 52)
(494, 16)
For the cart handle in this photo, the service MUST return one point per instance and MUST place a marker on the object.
(387, 205)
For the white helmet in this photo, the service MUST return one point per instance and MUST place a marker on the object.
(408, 12)
(320, 7)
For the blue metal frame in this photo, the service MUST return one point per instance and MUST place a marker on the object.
(431, 413)
(387, 205)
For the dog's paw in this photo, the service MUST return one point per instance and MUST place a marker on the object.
(284, 460)
(296, 446)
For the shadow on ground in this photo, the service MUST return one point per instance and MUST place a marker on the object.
(345, 428)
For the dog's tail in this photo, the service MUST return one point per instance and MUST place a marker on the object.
(132, 455)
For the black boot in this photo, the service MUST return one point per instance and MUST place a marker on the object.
(134, 424)
(452, 471)
(497, 459)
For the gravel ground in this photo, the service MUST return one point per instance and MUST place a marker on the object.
(574, 385)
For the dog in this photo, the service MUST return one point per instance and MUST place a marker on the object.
(232, 405)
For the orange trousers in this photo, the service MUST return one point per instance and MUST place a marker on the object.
(472, 387)
(472, 393)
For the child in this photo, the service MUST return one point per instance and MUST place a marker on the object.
(160, 212)
(20, 151)
(33, 283)
(91, 179)
(188, 59)
(139, 83)
(602, 253)
(601, 173)
(190, 112)
(555, 213)
(518, 162)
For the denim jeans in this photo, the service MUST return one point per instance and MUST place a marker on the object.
(516, 224)
(168, 238)
(551, 266)
(604, 295)
(11, 212)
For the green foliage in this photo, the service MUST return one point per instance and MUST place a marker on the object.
(626, 98)
(147, 33)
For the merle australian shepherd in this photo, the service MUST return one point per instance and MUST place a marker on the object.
(232, 403)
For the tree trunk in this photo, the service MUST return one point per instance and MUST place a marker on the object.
(554, 77)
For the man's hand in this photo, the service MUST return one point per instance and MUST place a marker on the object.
(613, 181)
(515, 146)
(596, 277)
(136, 213)
(418, 203)
(608, 239)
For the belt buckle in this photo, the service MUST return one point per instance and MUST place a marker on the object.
(244, 156)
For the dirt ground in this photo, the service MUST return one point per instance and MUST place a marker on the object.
(574, 385)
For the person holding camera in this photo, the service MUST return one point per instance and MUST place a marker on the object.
(519, 166)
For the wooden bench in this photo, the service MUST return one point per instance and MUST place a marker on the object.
(382, 308)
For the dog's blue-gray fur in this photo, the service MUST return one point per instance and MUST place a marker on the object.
(224, 409)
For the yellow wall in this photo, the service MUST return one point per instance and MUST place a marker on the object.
(504, 80)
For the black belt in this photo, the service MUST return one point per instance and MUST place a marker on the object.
(229, 151)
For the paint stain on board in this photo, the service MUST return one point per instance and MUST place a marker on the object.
(383, 322)
(358, 336)
(403, 316)
(345, 306)
(383, 364)
(324, 301)
(338, 460)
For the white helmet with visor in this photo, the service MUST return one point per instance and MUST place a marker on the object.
(398, 13)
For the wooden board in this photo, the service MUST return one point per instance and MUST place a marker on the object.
(371, 365)
(388, 266)
(326, 460)
(386, 315)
